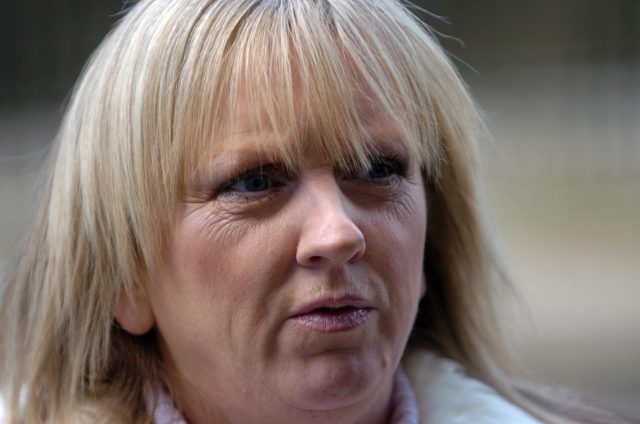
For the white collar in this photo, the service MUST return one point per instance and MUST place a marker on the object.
(446, 394)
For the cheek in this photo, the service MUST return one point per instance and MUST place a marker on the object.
(223, 257)
(398, 236)
(397, 253)
(395, 248)
(218, 281)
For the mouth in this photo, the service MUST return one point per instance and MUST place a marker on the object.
(332, 315)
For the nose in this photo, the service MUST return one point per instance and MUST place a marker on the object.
(329, 236)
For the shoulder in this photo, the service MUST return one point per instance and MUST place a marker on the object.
(447, 394)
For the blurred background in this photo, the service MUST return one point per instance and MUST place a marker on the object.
(559, 82)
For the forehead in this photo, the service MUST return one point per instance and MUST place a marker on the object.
(258, 128)
(248, 112)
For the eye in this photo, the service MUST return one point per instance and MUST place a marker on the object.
(381, 169)
(255, 183)
(252, 183)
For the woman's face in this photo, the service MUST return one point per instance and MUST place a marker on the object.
(291, 291)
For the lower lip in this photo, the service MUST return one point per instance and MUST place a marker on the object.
(333, 322)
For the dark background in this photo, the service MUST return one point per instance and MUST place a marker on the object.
(44, 43)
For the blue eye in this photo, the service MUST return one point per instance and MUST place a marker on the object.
(256, 182)
(252, 183)
(380, 169)
(383, 168)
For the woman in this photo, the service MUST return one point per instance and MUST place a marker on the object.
(257, 210)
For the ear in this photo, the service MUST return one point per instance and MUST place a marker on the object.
(133, 313)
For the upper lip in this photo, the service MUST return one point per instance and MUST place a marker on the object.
(333, 302)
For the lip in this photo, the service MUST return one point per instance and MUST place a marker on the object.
(333, 314)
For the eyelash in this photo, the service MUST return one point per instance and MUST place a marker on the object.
(397, 167)
(269, 170)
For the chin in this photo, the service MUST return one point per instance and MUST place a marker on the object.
(336, 380)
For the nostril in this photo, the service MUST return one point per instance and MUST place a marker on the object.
(315, 259)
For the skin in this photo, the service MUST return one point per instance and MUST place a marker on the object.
(249, 249)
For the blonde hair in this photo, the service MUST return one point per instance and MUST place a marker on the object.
(148, 105)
